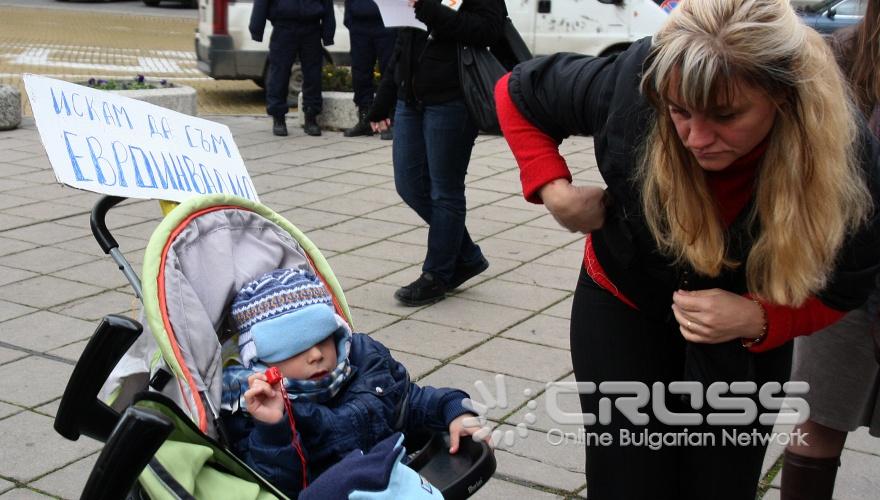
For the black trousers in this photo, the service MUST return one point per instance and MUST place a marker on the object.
(288, 44)
(612, 342)
(368, 48)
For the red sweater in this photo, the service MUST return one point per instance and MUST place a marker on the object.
(540, 162)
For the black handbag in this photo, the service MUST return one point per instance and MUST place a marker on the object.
(479, 69)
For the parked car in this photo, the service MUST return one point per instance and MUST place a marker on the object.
(827, 16)
(225, 51)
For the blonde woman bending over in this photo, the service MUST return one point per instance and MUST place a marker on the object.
(739, 214)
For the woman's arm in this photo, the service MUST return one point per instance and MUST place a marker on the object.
(544, 174)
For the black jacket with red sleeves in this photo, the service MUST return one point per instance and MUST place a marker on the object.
(570, 94)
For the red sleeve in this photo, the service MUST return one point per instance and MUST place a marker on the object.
(785, 323)
(536, 152)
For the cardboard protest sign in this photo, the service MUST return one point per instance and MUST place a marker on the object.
(102, 142)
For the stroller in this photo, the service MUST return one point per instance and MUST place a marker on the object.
(162, 391)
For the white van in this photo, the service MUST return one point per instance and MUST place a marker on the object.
(225, 50)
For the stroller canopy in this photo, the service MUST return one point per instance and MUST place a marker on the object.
(197, 259)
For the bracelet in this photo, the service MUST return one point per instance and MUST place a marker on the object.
(760, 338)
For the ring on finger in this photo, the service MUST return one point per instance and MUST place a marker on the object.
(688, 326)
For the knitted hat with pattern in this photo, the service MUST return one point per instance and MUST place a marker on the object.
(281, 314)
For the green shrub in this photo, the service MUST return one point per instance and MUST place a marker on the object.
(338, 78)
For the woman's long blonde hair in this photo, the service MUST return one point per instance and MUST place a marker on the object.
(810, 193)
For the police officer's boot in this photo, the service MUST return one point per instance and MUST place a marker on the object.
(311, 127)
(363, 125)
(279, 127)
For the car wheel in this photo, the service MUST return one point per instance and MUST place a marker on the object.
(296, 83)
(151, 3)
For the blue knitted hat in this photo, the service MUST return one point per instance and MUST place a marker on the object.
(281, 314)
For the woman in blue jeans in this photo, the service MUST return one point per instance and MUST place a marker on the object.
(434, 136)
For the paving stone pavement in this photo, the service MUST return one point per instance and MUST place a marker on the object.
(55, 284)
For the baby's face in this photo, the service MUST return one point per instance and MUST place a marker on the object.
(313, 363)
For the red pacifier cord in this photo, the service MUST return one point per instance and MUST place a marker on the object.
(273, 376)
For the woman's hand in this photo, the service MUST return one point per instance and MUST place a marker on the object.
(466, 424)
(714, 316)
(576, 208)
(264, 402)
(381, 125)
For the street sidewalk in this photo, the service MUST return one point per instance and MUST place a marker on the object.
(55, 284)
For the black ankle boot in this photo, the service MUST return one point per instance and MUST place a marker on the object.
(425, 290)
(363, 125)
(807, 478)
(279, 127)
(311, 127)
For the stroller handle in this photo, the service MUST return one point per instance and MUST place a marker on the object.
(108, 242)
(99, 225)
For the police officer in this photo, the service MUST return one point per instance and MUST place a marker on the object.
(298, 28)
(370, 40)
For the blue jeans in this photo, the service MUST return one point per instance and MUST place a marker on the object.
(431, 151)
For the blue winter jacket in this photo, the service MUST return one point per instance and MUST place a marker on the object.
(293, 13)
(363, 413)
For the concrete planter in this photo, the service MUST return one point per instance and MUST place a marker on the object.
(10, 107)
(338, 113)
(178, 98)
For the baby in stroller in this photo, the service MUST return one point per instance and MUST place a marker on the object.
(338, 391)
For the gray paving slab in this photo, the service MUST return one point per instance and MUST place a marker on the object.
(366, 321)
(513, 250)
(461, 311)
(540, 415)
(363, 268)
(8, 355)
(502, 394)
(428, 339)
(520, 359)
(45, 259)
(537, 472)
(46, 291)
(534, 274)
(561, 309)
(861, 440)
(33, 449)
(392, 250)
(308, 219)
(5, 485)
(9, 310)
(348, 206)
(33, 380)
(7, 409)
(69, 481)
(544, 448)
(11, 245)
(96, 307)
(24, 494)
(327, 239)
(497, 489)
(44, 331)
(541, 329)
(417, 366)
(102, 273)
(522, 296)
(12, 274)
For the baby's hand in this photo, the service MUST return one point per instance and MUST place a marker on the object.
(264, 402)
(466, 424)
